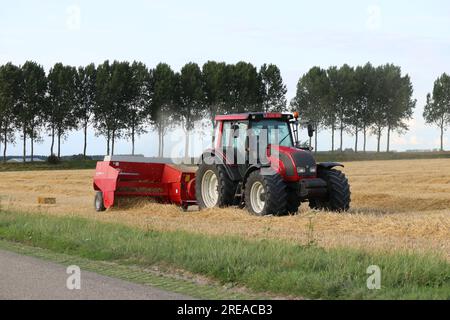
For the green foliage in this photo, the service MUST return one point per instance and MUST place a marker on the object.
(349, 99)
(59, 111)
(261, 265)
(162, 113)
(214, 88)
(243, 88)
(437, 109)
(138, 110)
(28, 112)
(85, 102)
(273, 90)
(53, 159)
(10, 95)
(312, 98)
(190, 99)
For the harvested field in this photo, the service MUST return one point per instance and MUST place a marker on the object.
(401, 204)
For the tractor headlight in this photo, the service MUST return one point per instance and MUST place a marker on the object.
(301, 170)
(312, 169)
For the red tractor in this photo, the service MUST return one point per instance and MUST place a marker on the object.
(257, 163)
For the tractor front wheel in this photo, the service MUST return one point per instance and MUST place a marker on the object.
(338, 198)
(265, 194)
(213, 187)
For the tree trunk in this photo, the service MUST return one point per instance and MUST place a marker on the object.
(53, 141)
(365, 135)
(442, 136)
(159, 141)
(186, 145)
(356, 139)
(113, 137)
(378, 138)
(162, 143)
(315, 141)
(32, 144)
(24, 143)
(5, 143)
(310, 142)
(59, 144)
(388, 138)
(342, 132)
(132, 140)
(108, 138)
(332, 138)
(85, 139)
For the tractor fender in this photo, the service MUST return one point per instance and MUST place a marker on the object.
(249, 170)
(211, 157)
(329, 165)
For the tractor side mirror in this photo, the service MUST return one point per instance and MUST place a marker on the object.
(310, 130)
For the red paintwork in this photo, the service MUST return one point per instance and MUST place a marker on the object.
(164, 182)
(245, 116)
(240, 116)
(278, 165)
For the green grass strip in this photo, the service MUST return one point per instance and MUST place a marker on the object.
(260, 265)
(132, 273)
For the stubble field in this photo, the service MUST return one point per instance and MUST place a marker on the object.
(396, 205)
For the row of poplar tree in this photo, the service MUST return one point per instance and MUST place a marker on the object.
(124, 100)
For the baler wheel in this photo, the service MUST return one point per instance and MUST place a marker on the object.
(98, 202)
(338, 199)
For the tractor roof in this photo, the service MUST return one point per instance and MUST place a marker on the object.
(254, 116)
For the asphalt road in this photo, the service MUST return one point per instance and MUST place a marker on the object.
(23, 277)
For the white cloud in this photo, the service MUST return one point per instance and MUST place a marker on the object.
(73, 18)
(374, 19)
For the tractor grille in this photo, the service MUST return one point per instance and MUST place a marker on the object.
(306, 160)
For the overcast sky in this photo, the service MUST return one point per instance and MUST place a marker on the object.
(295, 35)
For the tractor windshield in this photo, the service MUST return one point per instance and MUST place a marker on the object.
(279, 131)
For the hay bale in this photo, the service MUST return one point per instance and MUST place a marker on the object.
(45, 200)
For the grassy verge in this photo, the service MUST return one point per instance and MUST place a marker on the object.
(136, 274)
(262, 266)
(63, 165)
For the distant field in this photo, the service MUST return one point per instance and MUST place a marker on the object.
(64, 165)
(396, 205)
(320, 157)
(370, 156)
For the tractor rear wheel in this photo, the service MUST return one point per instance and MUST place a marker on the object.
(98, 202)
(265, 194)
(338, 198)
(213, 187)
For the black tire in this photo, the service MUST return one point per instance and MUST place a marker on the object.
(226, 187)
(338, 198)
(293, 201)
(275, 195)
(98, 202)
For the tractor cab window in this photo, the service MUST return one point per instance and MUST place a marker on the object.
(278, 131)
(234, 134)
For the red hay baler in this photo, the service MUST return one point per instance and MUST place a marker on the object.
(138, 176)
